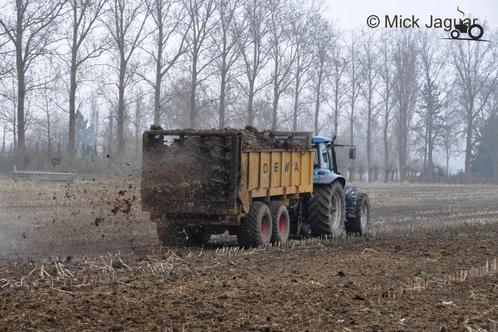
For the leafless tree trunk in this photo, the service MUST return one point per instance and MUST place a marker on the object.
(31, 33)
(337, 86)
(253, 35)
(200, 16)
(302, 40)
(353, 91)
(168, 18)
(386, 75)
(323, 43)
(352, 70)
(9, 113)
(449, 135)
(84, 15)
(318, 94)
(370, 78)
(226, 51)
(3, 138)
(404, 93)
(137, 121)
(432, 63)
(283, 53)
(47, 108)
(95, 126)
(126, 26)
(476, 68)
(110, 139)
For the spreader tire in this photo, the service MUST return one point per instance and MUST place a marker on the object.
(326, 211)
(281, 222)
(358, 212)
(170, 235)
(197, 236)
(256, 229)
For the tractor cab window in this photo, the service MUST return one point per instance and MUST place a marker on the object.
(333, 161)
(325, 159)
(324, 156)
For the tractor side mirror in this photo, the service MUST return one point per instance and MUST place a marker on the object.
(352, 153)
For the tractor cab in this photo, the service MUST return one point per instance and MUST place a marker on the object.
(325, 168)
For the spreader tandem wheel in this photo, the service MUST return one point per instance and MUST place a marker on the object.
(170, 235)
(281, 222)
(197, 236)
(256, 229)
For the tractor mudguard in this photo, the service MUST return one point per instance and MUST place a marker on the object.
(326, 176)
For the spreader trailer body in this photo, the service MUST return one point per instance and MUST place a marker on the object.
(261, 186)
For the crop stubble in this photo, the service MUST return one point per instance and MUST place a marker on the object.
(88, 259)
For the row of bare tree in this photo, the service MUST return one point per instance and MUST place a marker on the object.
(90, 75)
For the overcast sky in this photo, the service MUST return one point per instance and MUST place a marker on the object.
(353, 13)
(349, 14)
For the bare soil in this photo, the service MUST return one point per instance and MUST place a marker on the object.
(84, 257)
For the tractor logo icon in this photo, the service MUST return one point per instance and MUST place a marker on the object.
(466, 26)
(475, 31)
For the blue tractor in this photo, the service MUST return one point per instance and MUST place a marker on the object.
(334, 207)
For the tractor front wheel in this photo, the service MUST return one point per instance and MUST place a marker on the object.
(358, 212)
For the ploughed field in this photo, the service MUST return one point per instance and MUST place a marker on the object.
(83, 257)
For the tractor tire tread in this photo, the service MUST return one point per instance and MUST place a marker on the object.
(353, 221)
(319, 209)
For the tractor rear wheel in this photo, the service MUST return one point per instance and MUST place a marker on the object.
(327, 210)
(281, 222)
(256, 229)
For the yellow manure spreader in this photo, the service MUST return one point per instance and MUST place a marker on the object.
(261, 186)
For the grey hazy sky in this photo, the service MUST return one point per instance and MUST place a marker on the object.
(353, 13)
(349, 14)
